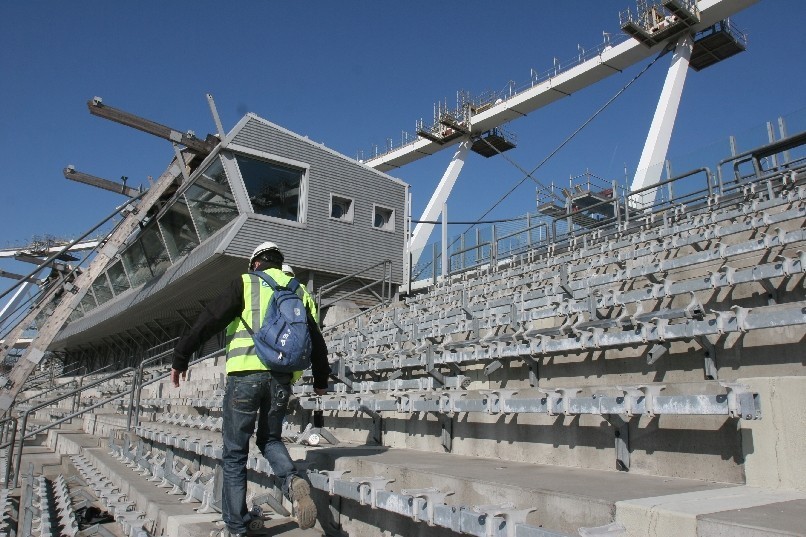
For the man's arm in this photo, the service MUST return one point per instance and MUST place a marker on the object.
(319, 364)
(320, 368)
(213, 319)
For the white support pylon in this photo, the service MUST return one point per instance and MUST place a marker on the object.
(653, 156)
(21, 294)
(423, 230)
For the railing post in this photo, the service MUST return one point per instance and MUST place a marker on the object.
(462, 249)
(138, 379)
(435, 256)
(446, 261)
(494, 250)
(12, 432)
(479, 252)
(18, 454)
(134, 398)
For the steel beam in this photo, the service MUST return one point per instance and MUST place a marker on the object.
(105, 184)
(97, 108)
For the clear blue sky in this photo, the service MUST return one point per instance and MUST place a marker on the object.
(349, 74)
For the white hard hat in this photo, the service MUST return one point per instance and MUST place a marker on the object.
(287, 269)
(264, 247)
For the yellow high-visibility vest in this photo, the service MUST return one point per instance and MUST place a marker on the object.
(241, 354)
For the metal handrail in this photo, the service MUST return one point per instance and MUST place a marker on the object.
(493, 244)
(85, 410)
(618, 217)
(107, 366)
(134, 401)
(621, 211)
(10, 453)
(765, 150)
(386, 281)
(164, 375)
(24, 420)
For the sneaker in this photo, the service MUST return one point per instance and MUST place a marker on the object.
(304, 508)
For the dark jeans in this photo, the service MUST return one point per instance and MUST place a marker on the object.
(259, 396)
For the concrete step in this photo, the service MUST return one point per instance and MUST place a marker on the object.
(171, 517)
(565, 499)
(736, 512)
(772, 520)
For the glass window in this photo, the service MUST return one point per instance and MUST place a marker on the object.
(42, 317)
(75, 315)
(118, 278)
(101, 289)
(383, 218)
(155, 251)
(273, 189)
(177, 228)
(341, 208)
(88, 302)
(210, 200)
(136, 264)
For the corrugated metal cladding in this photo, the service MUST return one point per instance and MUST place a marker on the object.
(185, 295)
(325, 244)
(197, 277)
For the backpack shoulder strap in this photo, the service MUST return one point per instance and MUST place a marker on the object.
(266, 278)
(295, 287)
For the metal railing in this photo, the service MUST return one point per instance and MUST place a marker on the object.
(80, 382)
(24, 415)
(134, 400)
(5, 433)
(385, 282)
(510, 90)
(629, 208)
(757, 154)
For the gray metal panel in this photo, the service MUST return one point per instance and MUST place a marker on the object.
(199, 276)
(322, 244)
(325, 244)
(185, 295)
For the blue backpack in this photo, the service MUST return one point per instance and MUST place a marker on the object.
(283, 342)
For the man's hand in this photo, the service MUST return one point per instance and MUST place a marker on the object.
(176, 375)
(320, 391)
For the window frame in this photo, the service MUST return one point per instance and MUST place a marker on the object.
(349, 216)
(304, 184)
(389, 227)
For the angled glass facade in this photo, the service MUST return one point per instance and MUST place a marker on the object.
(178, 230)
(210, 200)
(195, 214)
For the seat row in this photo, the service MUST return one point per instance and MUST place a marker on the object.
(452, 346)
(52, 513)
(132, 522)
(422, 505)
(6, 515)
(586, 253)
(602, 290)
